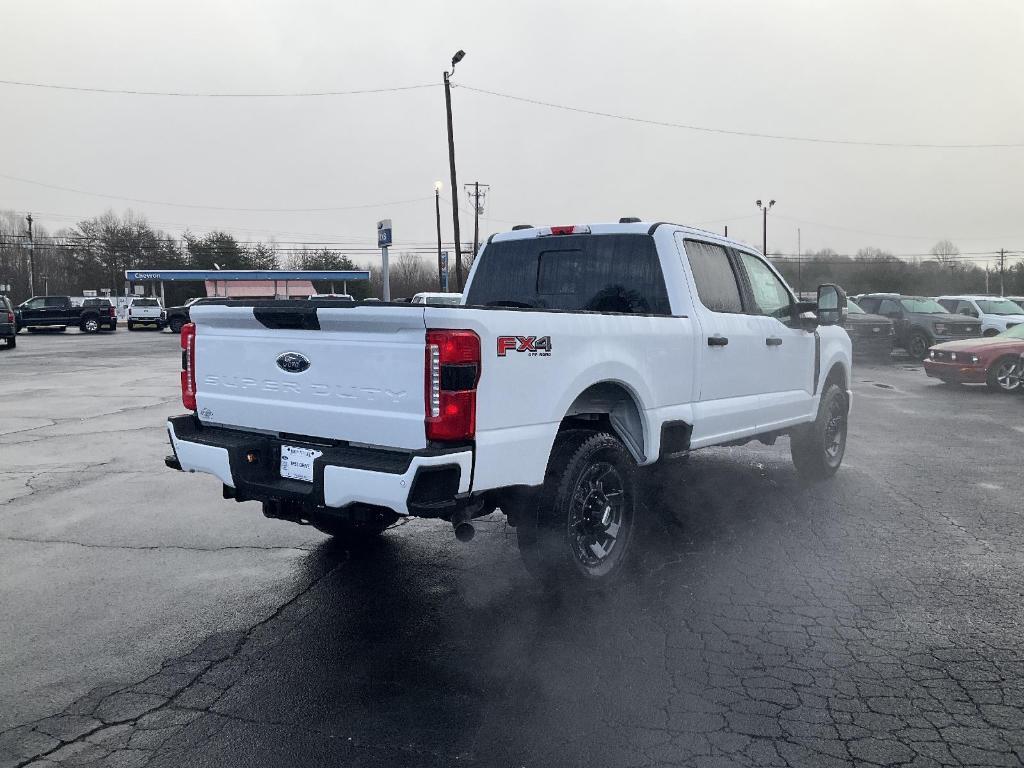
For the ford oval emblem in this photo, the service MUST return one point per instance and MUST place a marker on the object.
(293, 362)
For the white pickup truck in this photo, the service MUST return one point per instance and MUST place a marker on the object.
(580, 354)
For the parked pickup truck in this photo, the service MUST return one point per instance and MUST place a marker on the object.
(61, 311)
(580, 354)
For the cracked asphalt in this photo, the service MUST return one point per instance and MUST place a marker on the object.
(872, 620)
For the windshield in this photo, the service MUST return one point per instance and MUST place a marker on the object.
(853, 309)
(1017, 332)
(923, 306)
(998, 307)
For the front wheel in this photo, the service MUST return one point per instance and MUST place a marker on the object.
(818, 448)
(1006, 374)
(585, 513)
(918, 347)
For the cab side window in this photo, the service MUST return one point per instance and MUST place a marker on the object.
(714, 276)
(964, 308)
(771, 297)
(35, 304)
(889, 308)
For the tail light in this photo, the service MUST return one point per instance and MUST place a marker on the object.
(111, 312)
(188, 366)
(10, 318)
(452, 370)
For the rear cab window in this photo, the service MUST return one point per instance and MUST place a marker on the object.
(613, 273)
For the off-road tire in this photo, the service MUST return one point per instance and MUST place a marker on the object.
(1005, 374)
(918, 345)
(584, 523)
(818, 448)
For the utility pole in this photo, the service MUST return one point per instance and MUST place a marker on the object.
(451, 165)
(31, 258)
(799, 287)
(1002, 270)
(475, 195)
(437, 212)
(764, 229)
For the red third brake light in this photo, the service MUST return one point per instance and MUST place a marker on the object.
(451, 373)
(188, 366)
(572, 229)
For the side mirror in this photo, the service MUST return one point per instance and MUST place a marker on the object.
(831, 305)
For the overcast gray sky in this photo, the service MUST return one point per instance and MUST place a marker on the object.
(914, 71)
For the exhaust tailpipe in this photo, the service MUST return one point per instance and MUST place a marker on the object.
(463, 526)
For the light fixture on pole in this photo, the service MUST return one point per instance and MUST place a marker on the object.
(437, 211)
(459, 55)
(764, 226)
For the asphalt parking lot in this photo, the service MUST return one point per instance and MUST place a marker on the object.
(872, 620)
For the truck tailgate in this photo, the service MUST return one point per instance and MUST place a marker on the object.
(340, 373)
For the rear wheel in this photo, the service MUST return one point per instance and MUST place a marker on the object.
(176, 324)
(818, 448)
(1005, 374)
(131, 326)
(918, 347)
(12, 342)
(90, 325)
(585, 515)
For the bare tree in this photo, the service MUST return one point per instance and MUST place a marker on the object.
(946, 253)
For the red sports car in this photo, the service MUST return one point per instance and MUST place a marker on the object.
(995, 361)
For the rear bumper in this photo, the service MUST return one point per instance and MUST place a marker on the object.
(949, 371)
(429, 483)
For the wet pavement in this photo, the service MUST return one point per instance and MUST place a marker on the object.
(872, 620)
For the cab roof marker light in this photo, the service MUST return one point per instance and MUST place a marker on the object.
(572, 229)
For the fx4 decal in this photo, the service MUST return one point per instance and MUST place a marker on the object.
(534, 346)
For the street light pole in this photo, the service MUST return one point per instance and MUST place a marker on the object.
(764, 226)
(437, 211)
(451, 164)
(31, 259)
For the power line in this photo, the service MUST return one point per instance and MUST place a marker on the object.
(211, 207)
(732, 132)
(217, 95)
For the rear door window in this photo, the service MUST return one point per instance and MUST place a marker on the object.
(714, 276)
(617, 273)
(55, 301)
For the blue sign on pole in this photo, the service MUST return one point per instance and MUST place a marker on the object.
(444, 271)
(384, 233)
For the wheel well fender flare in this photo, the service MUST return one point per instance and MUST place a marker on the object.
(619, 403)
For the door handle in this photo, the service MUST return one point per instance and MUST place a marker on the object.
(717, 341)
(773, 341)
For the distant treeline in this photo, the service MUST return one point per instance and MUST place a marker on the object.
(93, 255)
(945, 271)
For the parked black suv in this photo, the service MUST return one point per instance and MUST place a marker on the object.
(871, 335)
(8, 323)
(175, 317)
(920, 322)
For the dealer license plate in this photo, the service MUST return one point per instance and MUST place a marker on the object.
(297, 463)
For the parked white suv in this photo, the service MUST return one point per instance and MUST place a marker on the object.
(996, 313)
(145, 311)
(581, 353)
